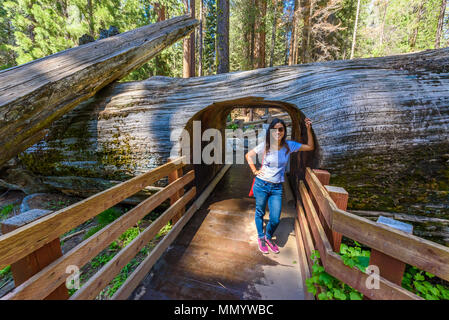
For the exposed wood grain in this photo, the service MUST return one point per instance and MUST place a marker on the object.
(305, 232)
(340, 197)
(37, 286)
(303, 264)
(142, 270)
(103, 276)
(23, 241)
(35, 94)
(320, 195)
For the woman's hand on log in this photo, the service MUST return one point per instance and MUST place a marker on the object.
(308, 123)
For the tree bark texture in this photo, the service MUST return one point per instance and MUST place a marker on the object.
(305, 10)
(188, 66)
(223, 36)
(35, 94)
(273, 31)
(440, 23)
(260, 34)
(380, 126)
(200, 50)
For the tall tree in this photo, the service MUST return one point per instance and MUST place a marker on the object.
(355, 30)
(260, 34)
(189, 45)
(293, 52)
(273, 31)
(440, 23)
(209, 36)
(200, 41)
(305, 42)
(419, 15)
(223, 36)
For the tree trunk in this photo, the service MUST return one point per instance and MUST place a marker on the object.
(223, 36)
(91, 18)
(260, 34)
(440, 23)
(61, 81)
(273, 32)
(355, 30)
(188, 66)
(305, 9)
(293, 40)
(160, 12)
(252, 23)
(382, 29)
(414, 35)
(200, 51)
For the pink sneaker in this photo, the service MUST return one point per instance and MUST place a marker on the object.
(262, 245)
(272, 245)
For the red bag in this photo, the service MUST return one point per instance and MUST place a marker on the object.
(251, 193)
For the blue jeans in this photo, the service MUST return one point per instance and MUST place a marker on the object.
(271, 193)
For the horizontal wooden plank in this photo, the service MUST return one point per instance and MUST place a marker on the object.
(303, 260)
(325, 203)
(21, 242)
(305, 232)
(142, 270)
(424, 254)
(103, 276)
(319, 236)
(333, 263)
(50, 277)
(358, 279)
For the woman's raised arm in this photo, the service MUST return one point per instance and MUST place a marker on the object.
(310, 144)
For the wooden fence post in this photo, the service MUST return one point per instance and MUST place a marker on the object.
(172, 177)
(25, 268)
(340, 197)
(389, 267)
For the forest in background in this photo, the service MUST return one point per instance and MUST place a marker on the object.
(261, 33)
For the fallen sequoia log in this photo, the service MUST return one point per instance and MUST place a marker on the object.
(35, 94)
(381, 127)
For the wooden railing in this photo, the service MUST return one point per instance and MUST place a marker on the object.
(26, 240)
(320, 223)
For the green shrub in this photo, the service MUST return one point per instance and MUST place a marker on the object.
(414, 280)
(6, 210)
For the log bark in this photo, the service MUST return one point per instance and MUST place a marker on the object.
(380, 124)
(223, 36)
(35, 94)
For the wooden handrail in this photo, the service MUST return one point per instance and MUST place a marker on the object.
(103, 276)
(426, 255)
(333, 263)
(142, 270)
(27, 239)
(54, 274)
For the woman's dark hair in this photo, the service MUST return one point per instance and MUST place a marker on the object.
(283, 140)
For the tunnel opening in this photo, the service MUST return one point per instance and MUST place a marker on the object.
(219, 116)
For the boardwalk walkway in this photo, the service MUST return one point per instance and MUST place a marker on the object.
(216, 255)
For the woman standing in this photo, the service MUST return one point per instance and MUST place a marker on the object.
(268, 183)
